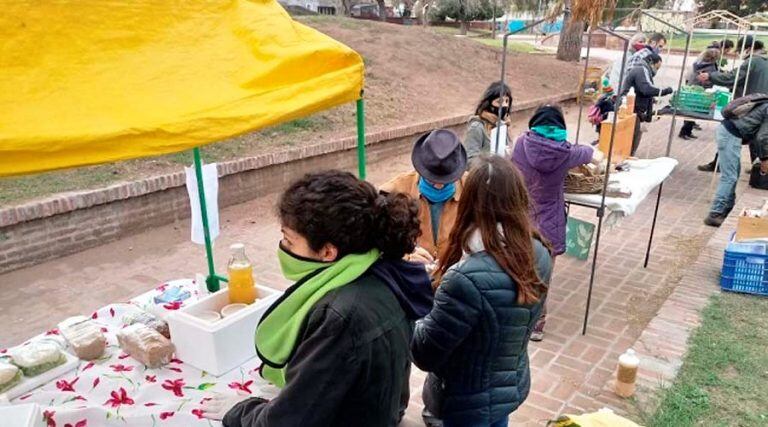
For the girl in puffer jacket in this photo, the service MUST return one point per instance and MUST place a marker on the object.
(544, 156)
(493, 276)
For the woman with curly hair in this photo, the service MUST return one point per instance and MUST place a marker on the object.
(493, 279)
(336, 342)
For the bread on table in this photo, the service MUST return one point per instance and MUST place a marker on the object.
(37, 357)
(145, 345)
(150, 320)
(84, 336)
(9, 376)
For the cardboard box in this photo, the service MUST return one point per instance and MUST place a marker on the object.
(622, 140)
(220, 346)
(749, 228)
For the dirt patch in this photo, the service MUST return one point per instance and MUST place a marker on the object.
(642, 308)
(413, 75)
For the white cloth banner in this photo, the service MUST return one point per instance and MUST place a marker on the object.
(211, 187)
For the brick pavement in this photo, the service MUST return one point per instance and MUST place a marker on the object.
(569, 370)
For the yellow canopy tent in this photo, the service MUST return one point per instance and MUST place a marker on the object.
(84, 82)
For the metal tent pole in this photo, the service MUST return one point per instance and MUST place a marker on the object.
(584, 81)
(212, 281)
(601, 209)
(361, 138)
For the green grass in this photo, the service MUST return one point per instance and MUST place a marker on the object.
(521, 47)
(724, 377)
(698, 42)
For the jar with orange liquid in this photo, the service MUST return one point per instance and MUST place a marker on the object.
(242, 288)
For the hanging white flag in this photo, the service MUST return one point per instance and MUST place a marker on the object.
(211, 187)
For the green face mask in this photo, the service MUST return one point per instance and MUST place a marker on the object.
(295, 267)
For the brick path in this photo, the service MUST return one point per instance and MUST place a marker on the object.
(569, 370)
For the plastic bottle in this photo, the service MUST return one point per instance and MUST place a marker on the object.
(626, 373)
(631, 100)
(242, 288)
(623, 110)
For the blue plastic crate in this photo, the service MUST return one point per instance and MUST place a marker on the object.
(745, 268)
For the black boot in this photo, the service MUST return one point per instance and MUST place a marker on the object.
(708, 167)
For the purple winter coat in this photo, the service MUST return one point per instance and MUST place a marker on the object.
(544, 164)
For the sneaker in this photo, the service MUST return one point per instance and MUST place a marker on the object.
(538, 332)
(714, 219)
(708, 167)
(430, 420)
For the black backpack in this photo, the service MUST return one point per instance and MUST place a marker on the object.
(741, 106)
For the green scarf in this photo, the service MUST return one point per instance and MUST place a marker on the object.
(551, 132)
(278, 331)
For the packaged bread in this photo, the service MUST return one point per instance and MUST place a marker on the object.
(149, 320)
(84, 336)
(145, 345)
(9, 376)
(37, 357)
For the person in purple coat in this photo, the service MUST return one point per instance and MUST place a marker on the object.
(544, 156)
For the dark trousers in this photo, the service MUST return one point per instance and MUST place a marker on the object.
(636, 137)
(687, 128)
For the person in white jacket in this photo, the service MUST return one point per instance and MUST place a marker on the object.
(636, 43)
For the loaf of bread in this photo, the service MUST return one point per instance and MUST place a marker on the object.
(37, 357)
(145, 345)
(84, 336)
(9, 376)
(150, 320)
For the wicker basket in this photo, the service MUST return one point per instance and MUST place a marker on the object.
(581, 180)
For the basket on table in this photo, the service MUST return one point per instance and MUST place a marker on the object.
(693, 99)
(745, 268)
(581, 180)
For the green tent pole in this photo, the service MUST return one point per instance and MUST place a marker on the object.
(212, 281)
(360, 138)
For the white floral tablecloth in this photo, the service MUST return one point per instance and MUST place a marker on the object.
(117, 390)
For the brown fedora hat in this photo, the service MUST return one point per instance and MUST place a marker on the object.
(439, 157)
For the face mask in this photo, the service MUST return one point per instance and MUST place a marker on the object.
(295, 267)
(499, 111)
(638, 46)
(435, 195)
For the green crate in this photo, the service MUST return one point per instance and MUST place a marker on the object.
(695, 100)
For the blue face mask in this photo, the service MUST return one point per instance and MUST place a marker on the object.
(435, 195)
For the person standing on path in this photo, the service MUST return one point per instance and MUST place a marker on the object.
(544, 156)
(496, 102)
(636, 43)
(729, 136)
(705, 63)
(640, 77)
(753, 78)
(440, 162)
(493, 278)
(337, 342)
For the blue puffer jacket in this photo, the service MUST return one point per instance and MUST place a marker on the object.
(475, 340)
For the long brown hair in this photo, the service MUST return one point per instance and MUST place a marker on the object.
(495, 196)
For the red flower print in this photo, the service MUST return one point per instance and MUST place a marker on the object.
(123, 356)
(81, 423)
(205, 399)
(121, 368)
(3, 351)
(64, 385)
(104, 330)
(150, 404)
(119, 398)
(48, 418)
(165, 415)
(241, 386)
(78, 397)
(95, 315)
(26, 396)
(151, 378)
(174, 369)
(174, 386)
(162, 287)
(175, 360)
(53, 331)
(175, 305)
(111, 311)
(95, 382)
(198, 413)
(88, 366)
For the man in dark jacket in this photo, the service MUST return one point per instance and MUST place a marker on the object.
(752, 126)
(752, 78)
(641, 77)
(353, 358)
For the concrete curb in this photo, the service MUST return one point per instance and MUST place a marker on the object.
(71, 201)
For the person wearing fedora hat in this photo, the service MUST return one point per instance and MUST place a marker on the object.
(496, 102)
(440, 162)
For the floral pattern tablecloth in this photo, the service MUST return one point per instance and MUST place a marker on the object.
(117, 390)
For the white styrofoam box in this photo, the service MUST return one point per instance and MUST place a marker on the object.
(218, 347)
(23, 415)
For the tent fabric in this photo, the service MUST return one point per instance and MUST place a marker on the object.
(84, 82)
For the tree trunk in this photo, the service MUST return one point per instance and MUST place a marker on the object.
(382, 10)
(569, 46)
(463, 27)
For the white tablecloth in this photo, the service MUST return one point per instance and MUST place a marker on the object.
(643, 176)
(119, 391)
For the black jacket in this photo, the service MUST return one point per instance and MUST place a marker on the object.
(752, 127)
(352, 359)
(640, 77)
(475, 340)
(758, 76)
